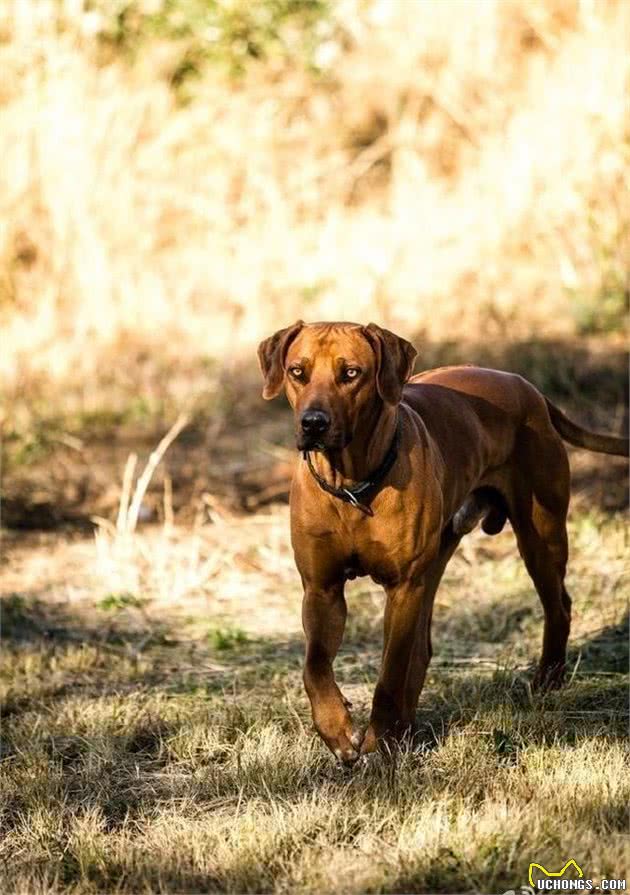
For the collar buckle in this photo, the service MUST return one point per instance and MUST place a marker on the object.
(351, 499)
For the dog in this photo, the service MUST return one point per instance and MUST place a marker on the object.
(395, 469)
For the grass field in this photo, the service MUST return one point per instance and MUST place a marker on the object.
(159, 739)
(180, 178)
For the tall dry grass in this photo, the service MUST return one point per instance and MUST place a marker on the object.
(455, 169)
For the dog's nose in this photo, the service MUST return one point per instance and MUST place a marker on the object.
(315, 422)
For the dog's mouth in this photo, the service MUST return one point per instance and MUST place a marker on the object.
(332, 442)
(306, 443)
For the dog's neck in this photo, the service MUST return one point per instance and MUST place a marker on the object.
(364, 454)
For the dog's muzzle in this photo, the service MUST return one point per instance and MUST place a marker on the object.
(314, 426)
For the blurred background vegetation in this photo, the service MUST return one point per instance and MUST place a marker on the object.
(181, 177)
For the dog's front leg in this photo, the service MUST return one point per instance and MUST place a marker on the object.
(324, 618)
(406, 647)
(406, 655)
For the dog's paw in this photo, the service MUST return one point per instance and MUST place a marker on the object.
(549, 677)
(334, 725)
(370, 741)
(348, 748)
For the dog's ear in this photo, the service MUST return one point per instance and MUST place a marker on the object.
(271, 356)
(394, 361)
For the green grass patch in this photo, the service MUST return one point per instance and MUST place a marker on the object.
(115, 601)
(226, 638)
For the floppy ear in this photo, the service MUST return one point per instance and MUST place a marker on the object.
(394, 361)
(271, 356)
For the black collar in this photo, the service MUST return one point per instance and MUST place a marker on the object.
(352, 495)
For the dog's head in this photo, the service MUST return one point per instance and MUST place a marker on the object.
(337, 376)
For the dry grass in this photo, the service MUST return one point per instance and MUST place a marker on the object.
(460, 178)
(162, 743)
(445, 174)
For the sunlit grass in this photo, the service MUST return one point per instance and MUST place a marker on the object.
(169, 747)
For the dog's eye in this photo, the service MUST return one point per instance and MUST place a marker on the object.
(351, 372)
(296, 372)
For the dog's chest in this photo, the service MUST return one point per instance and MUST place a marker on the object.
(376, 546)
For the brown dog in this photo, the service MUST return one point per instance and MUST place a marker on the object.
(395, 471)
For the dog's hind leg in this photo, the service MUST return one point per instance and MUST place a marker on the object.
(538, 515)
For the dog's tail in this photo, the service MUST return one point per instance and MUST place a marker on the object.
(583, 438)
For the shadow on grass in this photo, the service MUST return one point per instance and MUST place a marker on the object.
(607, 650)
(456, 690)
(133, 769)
